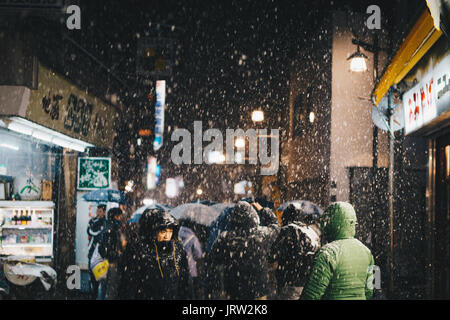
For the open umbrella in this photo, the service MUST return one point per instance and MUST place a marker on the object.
(195, 212)
(309, 208)
(106, 195)
(219, 224)
(220, 207)
(138, 213)
(197, 217)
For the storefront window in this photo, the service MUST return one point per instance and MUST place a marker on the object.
(30, 164)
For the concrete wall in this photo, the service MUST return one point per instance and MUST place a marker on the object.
(14, 100)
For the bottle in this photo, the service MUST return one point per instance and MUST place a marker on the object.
(14, 218)
(29, 217)
(19, 217)
(33, 218)
(24, 217)
(39, 218)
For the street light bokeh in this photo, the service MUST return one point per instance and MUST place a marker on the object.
(257, 116)
(312, 117)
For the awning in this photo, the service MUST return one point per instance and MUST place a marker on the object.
(419, 40)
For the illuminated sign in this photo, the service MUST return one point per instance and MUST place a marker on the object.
(145, 132)
(152, 176)
(428, 99)
(159, 113)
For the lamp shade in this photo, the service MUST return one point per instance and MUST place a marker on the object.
(358, 64)
(358, 61)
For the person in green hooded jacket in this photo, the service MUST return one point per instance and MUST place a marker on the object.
(343, 268)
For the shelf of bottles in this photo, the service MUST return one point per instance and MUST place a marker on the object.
(27, 228)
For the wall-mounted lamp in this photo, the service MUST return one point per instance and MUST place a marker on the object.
(358, 61)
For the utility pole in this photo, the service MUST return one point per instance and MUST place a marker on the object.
(391, 192)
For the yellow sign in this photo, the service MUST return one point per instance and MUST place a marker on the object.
(100, 270)
(63, 107)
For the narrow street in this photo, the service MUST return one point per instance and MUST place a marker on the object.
(224, 150)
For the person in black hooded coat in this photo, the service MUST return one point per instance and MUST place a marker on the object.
(152, 269)
(294, 250)
(243, 251)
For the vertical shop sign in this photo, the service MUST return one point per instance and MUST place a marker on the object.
(159, 113)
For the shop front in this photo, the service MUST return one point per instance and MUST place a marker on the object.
(43, 132)
(427, 114)
(420, 75)
(28, 176)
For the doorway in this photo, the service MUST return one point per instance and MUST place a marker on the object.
(442, 219)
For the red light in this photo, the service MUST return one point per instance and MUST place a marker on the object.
(145, 132)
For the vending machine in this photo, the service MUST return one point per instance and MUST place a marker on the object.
(26, 229)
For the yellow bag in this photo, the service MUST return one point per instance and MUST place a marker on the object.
(101, 270)
(99, 266)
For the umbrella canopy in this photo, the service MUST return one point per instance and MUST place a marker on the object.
(196, 213)
(205, 202)
(219, 224)
(220, 207)
(138, 213)
(106, 195)
(309, 208)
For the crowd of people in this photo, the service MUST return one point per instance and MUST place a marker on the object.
(253, 257)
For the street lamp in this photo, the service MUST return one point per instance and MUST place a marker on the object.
(257, 116)
(358, 61)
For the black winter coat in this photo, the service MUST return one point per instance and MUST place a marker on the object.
(294, 249)
(94, 230)
(243, 252)
(155, 270)
(110, 243)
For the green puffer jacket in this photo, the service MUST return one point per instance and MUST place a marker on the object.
(343, 269)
